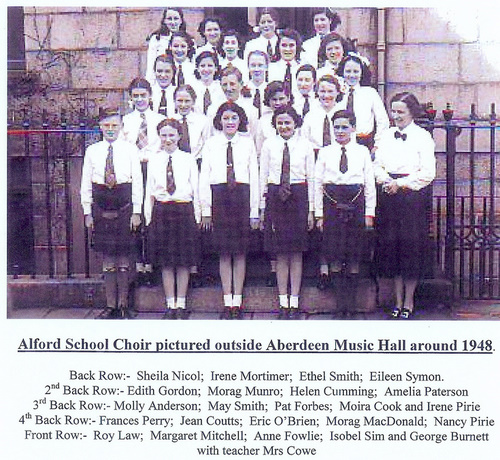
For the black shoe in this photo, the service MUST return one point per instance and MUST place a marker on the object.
(396, 312)
(293, 313)
(226, 314)
(323, 282)
(271, 280)
(184, 313)
(236, 313)
(110, 313)
(128, 313)
(406, 313)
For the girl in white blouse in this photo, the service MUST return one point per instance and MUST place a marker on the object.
(229, 193)
(363, 100)
(159, 41)
(405, 166)
(172, 212)
(287, 202)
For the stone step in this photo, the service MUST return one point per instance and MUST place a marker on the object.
(26, 292)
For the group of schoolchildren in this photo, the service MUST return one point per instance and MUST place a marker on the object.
(276, 135)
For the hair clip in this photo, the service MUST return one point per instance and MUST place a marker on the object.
(363, 59)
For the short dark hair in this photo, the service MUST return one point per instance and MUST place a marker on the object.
(233, 107)
(231, 70)
(139, 83)
(411, 102)
(276, 86)
(293, 35)
(366, 75)
(307, 68)
(327, 39)
(203, 24)
(172, 122)
(330, 14)
(188, 88)
(167, 58)
(108, 111)
(288, 109)
(332, 80)
(205, 55)
(349, 114)
(270, 11)
(189, 40)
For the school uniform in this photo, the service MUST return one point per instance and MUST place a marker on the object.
(278, 69)
(172, 218)
(230, 206)
(286, 212)
(186, 69)
(299, 103)
(163, 99)
(257, 97)
(403, 218)
(156, 47)
(343, 199)
(265, 130)
(131, 126)
(310, 48)
(262, 44)
(112, 206)
(198, 126)
(206, 104)
(371, 116)
(316, 123)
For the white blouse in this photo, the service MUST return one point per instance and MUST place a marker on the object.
(199, 131)
(214, 169)
(301, 164)
(413, 156)
(368, 109)
(186, 182)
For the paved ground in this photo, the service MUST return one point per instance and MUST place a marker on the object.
(473, 310)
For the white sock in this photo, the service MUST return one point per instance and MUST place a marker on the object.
(294, 301)
(323, 269)
(171, 303)
(139, 267)
(283, 298)
(237, 300)
(181, 303)
(228, 300)
(148, 268)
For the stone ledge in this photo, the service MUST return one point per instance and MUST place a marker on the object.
(82, 292)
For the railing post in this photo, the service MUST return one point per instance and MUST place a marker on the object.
(67, 196)
(449, 255)
(85, 230)
(48, 205)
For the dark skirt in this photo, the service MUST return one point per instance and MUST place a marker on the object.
(173, 236)
(344, 236)
(285, 227)
(231, 218)
(112, 210)
(403, 241)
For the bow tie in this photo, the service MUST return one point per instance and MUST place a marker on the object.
(399, 135)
